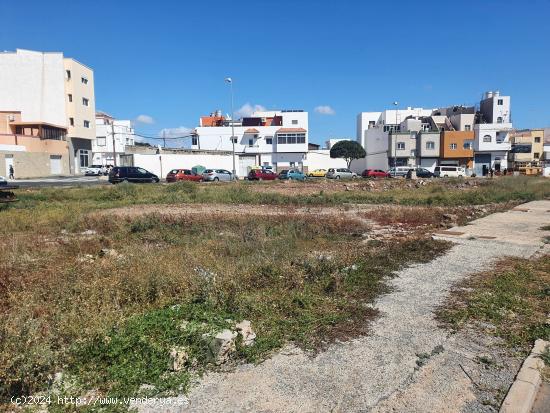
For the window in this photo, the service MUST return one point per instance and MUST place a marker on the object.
(194, 140)
(291, 138)
(487, 138)
(453, 146)
(71, 121)
(234, 139)
(537, 139)
(101, 141)
(70, 97)
(401, 145)
(294, 121)
(68, 74)
(499, 119)
(84, 80)
(430, 145)
(251, 142)
(292, 164)
(468, 145)
(413, 153)
(371, 124)
(269, 141)
(85, 101)
(536, 155)
(467, 127)
(86, 123)
(391, 128)
(500, 102)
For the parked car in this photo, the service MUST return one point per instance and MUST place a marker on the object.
(420, 173)
(182, 175)
(341, 173)
(95, 170)
(217, 175)
(262, 174)
(318, 173)
(131, 174)
(3, 180)
(399, 171)
(449, 171)
(375, 173)
(291, 174)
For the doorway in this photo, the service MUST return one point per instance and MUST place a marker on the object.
(9, 162)
(55, 165)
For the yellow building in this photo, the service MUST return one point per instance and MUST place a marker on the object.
(526, 150)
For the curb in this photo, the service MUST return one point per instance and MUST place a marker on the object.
(523, 392)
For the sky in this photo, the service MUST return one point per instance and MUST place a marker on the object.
(163, 63)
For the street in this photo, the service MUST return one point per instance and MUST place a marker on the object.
(58, 181)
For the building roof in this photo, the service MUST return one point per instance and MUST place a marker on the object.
(290, 130)
(37, 123)
(251, 130)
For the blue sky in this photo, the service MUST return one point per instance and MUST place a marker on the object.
(167, 59)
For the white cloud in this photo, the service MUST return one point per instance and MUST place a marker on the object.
(324, 110)
(175, 132)
(247, 109)
(145, 119)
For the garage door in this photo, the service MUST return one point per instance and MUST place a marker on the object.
(482, 164)
(55, 165)
(244, 163)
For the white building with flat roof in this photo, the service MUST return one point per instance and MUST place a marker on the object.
(114, 137)
(277, 138)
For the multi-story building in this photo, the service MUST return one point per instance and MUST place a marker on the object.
(114, 136)
(276, 138)
(80, 100)
(527, 149)
(491, 134)
(457, 148)
(50, 90)
(373, 129)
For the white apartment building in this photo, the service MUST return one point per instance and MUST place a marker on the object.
(49, 90)
(277, 138)
(373, 129)
(491, 142)
(113, 138)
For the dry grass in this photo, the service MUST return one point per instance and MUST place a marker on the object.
(511, 301)
(65, 307)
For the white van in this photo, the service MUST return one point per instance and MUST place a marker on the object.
(399, 171)
(449, 171)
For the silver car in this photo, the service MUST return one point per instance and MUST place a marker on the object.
(341, 173)
(217, 175)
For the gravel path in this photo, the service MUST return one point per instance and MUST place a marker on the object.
(380, 372)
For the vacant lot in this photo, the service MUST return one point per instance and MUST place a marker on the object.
(100, 294)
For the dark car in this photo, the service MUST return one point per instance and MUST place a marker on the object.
(131, 174)
(375, 173)
(420, 173)
(261, 174)
(182, 175)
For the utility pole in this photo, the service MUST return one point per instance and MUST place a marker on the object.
(113, 137)
(230, 81)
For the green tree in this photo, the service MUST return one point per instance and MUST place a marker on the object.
(348, 150)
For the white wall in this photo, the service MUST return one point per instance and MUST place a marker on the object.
(33, 83)
(321, 159)
(161, 164)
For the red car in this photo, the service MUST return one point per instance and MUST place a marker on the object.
(375, 173)
(182, 175)
(262, 174)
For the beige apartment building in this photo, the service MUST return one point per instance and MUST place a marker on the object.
(47, 114)
(527, 149)
(80, 104)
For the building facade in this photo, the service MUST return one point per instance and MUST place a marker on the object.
(527, 149)
(40, 90)
(267, 138)
(114, 138)
(457, 148)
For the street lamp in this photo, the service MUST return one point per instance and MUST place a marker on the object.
(394, 142)
(230, 81)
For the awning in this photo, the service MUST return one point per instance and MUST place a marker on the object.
(291, 130)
